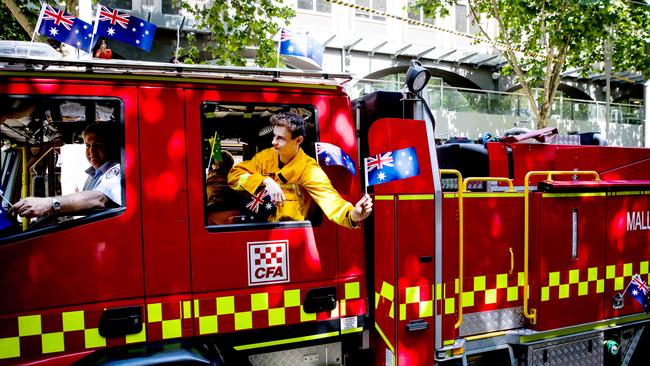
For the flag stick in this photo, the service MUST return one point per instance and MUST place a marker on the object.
(92, 38)
(365, 171)
(6, 200)
(178, 38)
(38, 26)
(214, 141)
(629, 283)
(277, 61)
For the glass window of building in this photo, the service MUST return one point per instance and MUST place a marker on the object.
(461, 18)
(379, 5)
(119, 4)
(171, 6)
(321, 6)
(417, 13)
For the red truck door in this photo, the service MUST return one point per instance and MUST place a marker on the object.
(58, 279)
(164, 213)
(254, 274)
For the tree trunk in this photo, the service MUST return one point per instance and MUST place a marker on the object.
(20, 17)
(72, 7)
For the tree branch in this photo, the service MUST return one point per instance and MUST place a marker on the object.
(20, 16)
(511, 57)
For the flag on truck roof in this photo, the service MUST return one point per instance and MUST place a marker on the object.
(121, 26)
(301, 45)
(329, 154)
(392, 165)
(63, 27)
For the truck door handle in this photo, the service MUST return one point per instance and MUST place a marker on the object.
(320, 299)
(120, 322)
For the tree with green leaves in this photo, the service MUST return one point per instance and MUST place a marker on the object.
(541, 39)
(232, 26)
(18, 18)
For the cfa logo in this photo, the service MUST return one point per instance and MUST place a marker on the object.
(268, 262)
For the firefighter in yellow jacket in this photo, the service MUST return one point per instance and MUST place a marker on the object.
(286, 165)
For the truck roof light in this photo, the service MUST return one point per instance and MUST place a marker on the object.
(417, 77)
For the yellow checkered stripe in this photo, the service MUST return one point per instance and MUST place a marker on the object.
(163, 320)
(351, 292)
(386, 295)
(504, 285)
(291, 310)
(413, 299)
(577, 282)
(166, 319)
(74, 327)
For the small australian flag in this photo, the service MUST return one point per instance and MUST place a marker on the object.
(124, 27)
(328, 154)
(640, 291)
(65, 28)
(392, 165)
(259, 207)
(301, 45)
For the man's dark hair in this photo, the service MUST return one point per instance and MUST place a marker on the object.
(292, 121)
(105, 131)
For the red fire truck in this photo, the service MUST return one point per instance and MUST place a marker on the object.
(498, 252)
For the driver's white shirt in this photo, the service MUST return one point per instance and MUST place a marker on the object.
(106, 179)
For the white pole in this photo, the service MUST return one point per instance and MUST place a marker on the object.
(277, 61)
(92, 39)
(365, 170)
(646, 102)
(38, 25)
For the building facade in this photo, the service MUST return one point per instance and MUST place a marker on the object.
(468, 93)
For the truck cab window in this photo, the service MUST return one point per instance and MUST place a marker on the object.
(239, 133)
(61, 161)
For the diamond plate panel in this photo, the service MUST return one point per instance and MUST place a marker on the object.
(321, 355)
(576, 351)
(491, 321)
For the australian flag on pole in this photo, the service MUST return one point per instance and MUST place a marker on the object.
(65, 28)
(328, 154)
(392, 165)
(259, 207)
(114, 24)
(300, 45)
(640, 291)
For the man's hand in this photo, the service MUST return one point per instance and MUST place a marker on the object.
(32, 207)
(275, 192)
(362, 209)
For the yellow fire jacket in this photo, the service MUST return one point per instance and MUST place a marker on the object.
(301, 174)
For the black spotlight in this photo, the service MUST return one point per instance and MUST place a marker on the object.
(417, 77)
